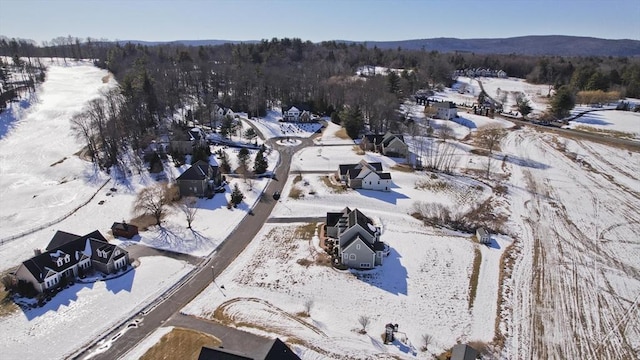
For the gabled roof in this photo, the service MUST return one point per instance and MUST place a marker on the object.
(388, 138)
(355, 238)
(299, 107)
(123, 226)
(463, 352)
(60, 238)
(271, 350)
(482, 232)
(198, 171)
(79, 248)
(385, 175)
(357, 217)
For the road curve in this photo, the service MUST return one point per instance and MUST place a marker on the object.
(224, 255)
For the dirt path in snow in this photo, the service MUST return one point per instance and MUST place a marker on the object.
(562, 304)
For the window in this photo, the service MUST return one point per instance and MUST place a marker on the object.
(357, 246)
(378, 182)
(352, 256)
(365, 265)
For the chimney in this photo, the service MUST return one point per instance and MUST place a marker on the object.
(37, 252)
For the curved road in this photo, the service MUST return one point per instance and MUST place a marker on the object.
(222, 257)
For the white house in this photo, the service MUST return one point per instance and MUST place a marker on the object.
(483, 236)
(364, 175)
(445, 110)
(296, 114)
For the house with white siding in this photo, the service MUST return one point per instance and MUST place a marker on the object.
(364, 175)
(69, 256)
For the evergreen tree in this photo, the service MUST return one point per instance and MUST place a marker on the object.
(200, 153)
(260, 163)
(352, 121)
(225, 167)
(236, 196)
(562, 102)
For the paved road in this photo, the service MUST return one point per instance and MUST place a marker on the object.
(224, 255)
(303, 219)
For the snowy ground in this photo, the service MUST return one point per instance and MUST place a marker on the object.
(507, 89)
(73, 308)
(270, 127)
(624, 121)
(426, 266)
(40, 189)
(39, 171)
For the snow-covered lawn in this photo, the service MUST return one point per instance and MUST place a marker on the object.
(423, 285)
(623, 121)
(329, 136)
(270, 127)
(40, 177)
(507, 89)
(70, 319)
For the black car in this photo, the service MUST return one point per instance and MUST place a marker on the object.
(276, 195)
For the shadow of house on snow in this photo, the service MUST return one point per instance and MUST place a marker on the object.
(64, 297)
(493, 244)
(391, 197)
(591, 119)
(391, 276)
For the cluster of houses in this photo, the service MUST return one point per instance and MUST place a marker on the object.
(69, 256)
(356, 238)
(480, 72)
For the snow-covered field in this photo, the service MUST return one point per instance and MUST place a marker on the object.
(82, 312)
(505, 91)
(39, 171)
(571, 287)
(623, 121)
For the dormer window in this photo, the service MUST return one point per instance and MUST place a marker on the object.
(59, 262)
(67, 259)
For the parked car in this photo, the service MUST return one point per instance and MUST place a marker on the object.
(276, 195)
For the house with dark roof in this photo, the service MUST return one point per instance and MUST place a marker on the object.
(200, 180)
(297, 113)
(273, 349)
(388, 144)
(364, 175)
(68, 256)
(357, 239)
(464, 352)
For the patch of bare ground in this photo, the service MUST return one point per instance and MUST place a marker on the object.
(180, 343)
(356, 149)
(143, 222)
(342, 134)
(402, 167)
(296, 193)
(475, 274)
(7, 305)
(59, 162)
(105, 79)
(507, 261)
(607, 132)
(331, 184)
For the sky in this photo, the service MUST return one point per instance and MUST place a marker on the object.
(316, 20)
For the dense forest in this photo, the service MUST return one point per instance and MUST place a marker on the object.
(158, 81)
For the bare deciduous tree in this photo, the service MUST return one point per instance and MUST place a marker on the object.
(364, 321)
(307, 307)
(188, 207)
(489, 138)
(426, 341)
(153, 201)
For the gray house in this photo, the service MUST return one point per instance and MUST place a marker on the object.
(68, 256)
(200, 180)
(464, 352)
(388, 144)
(364, 175)
(483, 236)
(358, 240)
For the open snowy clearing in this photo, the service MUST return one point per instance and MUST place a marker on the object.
(270, 127)
(623, 121)
(40, 171)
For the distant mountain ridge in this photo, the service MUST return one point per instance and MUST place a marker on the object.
(523, 45)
